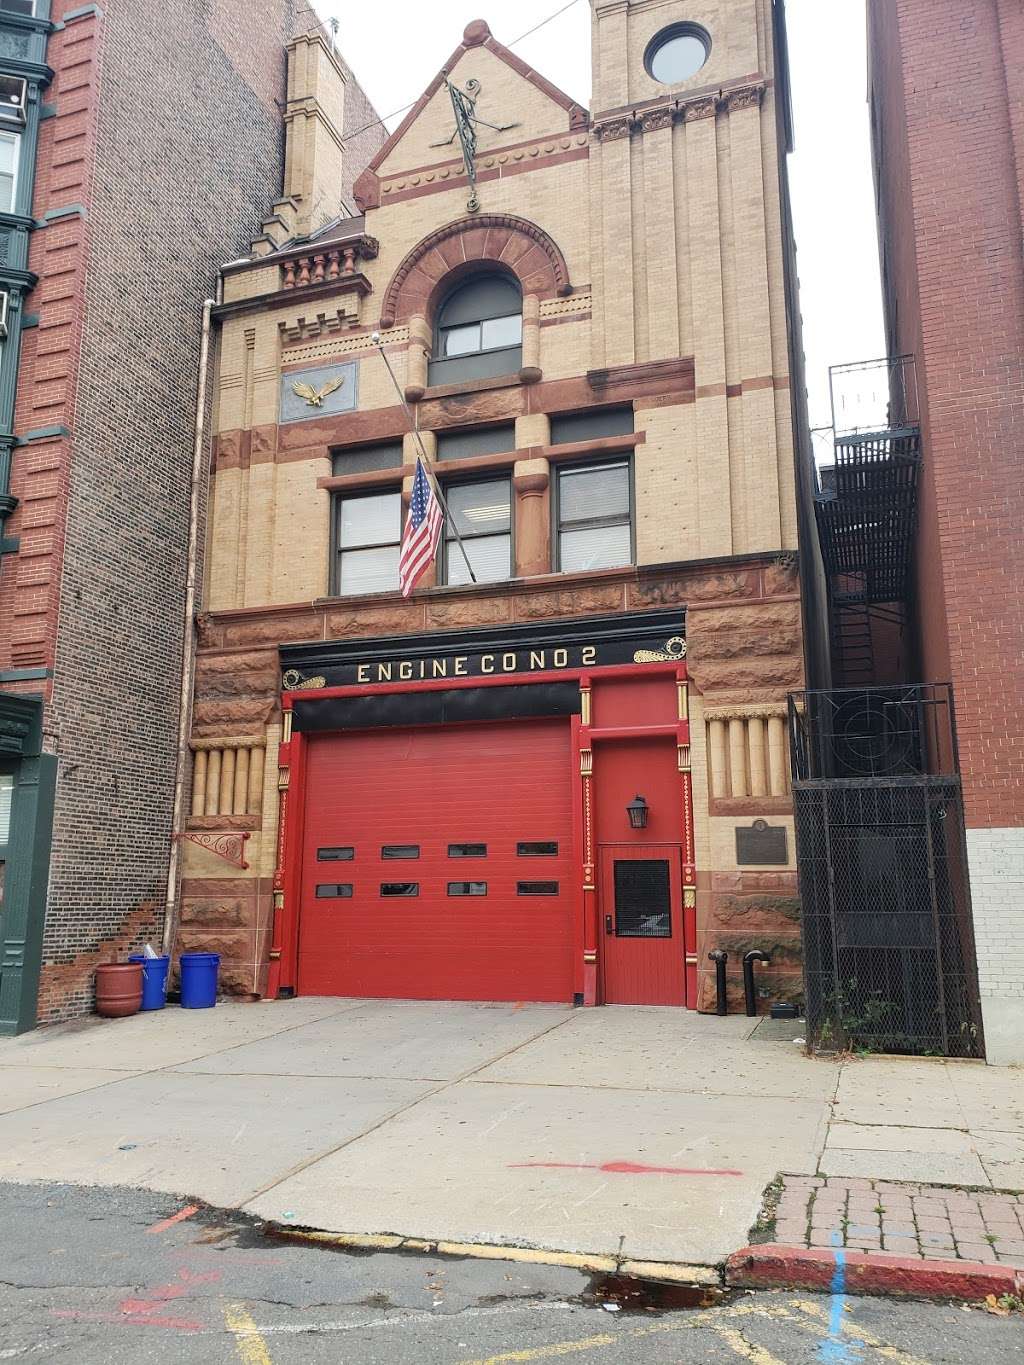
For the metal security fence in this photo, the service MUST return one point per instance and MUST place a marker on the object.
(888, 950)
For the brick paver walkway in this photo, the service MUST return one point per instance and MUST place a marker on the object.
(936, 1222)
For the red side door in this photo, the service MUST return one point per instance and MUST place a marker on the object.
(642, 925)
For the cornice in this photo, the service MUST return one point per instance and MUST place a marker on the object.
(620, 124)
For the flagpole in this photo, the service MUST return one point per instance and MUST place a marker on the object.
(414, 424)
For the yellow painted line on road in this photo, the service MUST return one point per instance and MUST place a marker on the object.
(757, 1355)
(250, 1346)
(556, 1348)
(861, 1334)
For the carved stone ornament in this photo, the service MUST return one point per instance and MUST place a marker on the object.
(614, 129)
(654, 119)
(705, 107)
(229, 845)
(748, 97)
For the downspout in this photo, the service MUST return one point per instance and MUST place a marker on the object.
(188, 656)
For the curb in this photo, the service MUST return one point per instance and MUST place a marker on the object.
(672, 1272)
(772, 1266)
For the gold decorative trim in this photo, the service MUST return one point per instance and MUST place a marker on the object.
(590, 957)
(692, 957)
(674, 649)
(286, 727)
(683, 698)
(586, 762)
(683, 751)
(585, 705)
(689, 897)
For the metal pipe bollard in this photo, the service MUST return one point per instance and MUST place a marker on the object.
(720, 957)
(755, 955)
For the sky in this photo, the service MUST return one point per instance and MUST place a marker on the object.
(830, 169)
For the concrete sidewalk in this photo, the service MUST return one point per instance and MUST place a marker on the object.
(630, 1132)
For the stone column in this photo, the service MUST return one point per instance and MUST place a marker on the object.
(531, 371)
(212, 782)
(227, 783)
(199, 782)
(755, 748)
(719, 766)
(737, 756)
(421, 340)
(777, 755)
(240, 795)
(531, 479)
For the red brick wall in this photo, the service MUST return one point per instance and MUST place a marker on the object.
(948, 96)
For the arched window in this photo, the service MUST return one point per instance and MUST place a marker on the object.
(478, 331)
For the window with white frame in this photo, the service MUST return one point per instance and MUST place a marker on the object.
(482, 512)
(368, 531)
(595, 524)
(9, 148)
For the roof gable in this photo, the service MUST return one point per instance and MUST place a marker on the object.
(511, 93)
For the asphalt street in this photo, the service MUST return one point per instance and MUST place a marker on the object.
(107, 1276)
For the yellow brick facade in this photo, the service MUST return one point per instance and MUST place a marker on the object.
(664, 204)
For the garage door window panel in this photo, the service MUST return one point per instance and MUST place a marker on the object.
(399, 889)
(595, 517)
(482, 512)
(369, 533)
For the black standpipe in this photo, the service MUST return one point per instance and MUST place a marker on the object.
(720, 957)
(755, 955)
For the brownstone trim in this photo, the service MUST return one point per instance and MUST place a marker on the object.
(679, 101)
(750, 806)
(373, 478)
(541, 163)
(497, 381)
(583, 315)
(226, 822)
(203, 888)
(764, 381)
(500, 238)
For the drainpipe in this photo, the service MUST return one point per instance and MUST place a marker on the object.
(188, 656)
(755, 955)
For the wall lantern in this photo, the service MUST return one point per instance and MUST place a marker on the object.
(637, 812)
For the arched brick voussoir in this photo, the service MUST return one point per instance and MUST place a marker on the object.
(521, 246)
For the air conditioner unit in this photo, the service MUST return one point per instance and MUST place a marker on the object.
(13, 96)
(5, 304)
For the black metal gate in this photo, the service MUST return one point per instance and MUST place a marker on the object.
(888, 948)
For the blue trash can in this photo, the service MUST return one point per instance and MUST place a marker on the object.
(154, 980)
(199, 980)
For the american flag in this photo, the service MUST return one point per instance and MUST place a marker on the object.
(422, 531)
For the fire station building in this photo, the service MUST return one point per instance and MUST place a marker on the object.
(566, 780)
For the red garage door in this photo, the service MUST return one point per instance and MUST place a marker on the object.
(436, 864)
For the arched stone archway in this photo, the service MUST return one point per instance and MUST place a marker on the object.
(497, 238)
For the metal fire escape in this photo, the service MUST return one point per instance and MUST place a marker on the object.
(866, 510)
(888, 946)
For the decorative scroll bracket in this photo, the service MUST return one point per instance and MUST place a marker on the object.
(229, 846)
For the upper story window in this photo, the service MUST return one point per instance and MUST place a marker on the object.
(9, 147)
(478, 331)
(482, 511)
(595, 521)
(466, 445)
(368, 535)
(18, 6)
(591, 425)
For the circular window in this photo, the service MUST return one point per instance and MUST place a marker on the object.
(677, 53)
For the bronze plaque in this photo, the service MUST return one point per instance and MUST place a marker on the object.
(761, 844)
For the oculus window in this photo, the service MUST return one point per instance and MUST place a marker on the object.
(368, 534)
(595, 526)
(483, 514)
(478, 332)
(677, 53)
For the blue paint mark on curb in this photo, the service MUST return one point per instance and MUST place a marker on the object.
(834, 1348)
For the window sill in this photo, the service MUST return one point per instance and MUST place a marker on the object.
(467, 386)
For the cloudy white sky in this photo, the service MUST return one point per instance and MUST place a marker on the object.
(396, 46)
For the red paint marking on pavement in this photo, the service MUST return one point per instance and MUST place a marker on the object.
(186, 1212)
(615, 1168)
(180, 1324)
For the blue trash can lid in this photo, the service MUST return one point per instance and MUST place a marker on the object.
(201, 959)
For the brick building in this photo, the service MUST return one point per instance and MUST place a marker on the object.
(947, 106)
(568, 779)
(134, 158)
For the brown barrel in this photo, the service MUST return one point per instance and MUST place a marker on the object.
(118, 989)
